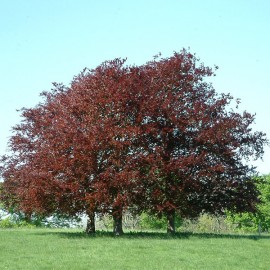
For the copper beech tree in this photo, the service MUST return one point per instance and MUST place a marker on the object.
(154, 138)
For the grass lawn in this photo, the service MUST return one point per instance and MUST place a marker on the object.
(71, 249)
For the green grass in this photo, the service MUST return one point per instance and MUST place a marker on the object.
(71, 249)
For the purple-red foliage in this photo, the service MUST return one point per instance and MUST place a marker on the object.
(155, 137)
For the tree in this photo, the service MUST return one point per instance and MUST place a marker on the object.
(195, 146)
(76, 148)
(260, 219)
(155, 138)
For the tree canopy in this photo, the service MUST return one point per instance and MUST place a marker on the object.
(155, 137)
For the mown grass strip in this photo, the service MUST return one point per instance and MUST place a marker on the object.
(72, 249)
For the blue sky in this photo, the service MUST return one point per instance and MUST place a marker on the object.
(52, 41)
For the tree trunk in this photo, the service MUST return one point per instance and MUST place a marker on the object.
(90, 226)
(27, 217)
(171, 222)
(117, 223)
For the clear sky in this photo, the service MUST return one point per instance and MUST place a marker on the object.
(53, 40)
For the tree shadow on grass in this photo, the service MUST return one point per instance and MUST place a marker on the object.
(156, 235)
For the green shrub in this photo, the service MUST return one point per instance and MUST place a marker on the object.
(148, 221)
(10, 222)
(259, 221)
(152, 222)
(7, 223)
